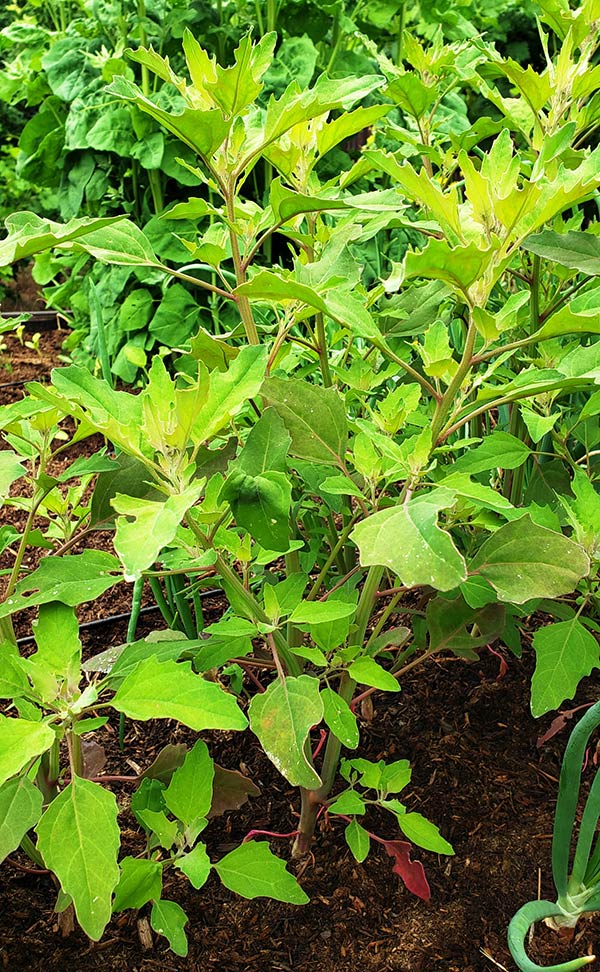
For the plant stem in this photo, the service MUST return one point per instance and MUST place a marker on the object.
(240, 273)
(311, 800)
(445, 405)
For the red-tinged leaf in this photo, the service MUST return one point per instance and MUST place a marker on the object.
(230, 790)
(558, 723)
(410, 872)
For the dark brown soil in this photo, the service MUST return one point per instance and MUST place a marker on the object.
(477, 773)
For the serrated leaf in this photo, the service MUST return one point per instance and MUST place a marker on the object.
(170, 690)
(253, 871)
(500, 450)
(20, 809)
(78, 838)
(153, 523)
(565, 653)
(575, 250)
(523, 560)
(282, 717)
(407, 539)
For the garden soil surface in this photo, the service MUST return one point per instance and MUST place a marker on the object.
(477, 772)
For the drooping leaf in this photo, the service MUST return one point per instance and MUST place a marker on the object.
(71, 580)
(565, 653)
(282, 717)
(20, 809)
(231, 789)
(410, 872)
(170, 690)
(407, 539)
(78, 838)
(358, 840)
(523, 560)
(169, 919)
(253, 871)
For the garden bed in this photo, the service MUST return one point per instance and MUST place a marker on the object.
(477, 772)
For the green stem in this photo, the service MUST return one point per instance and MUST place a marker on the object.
(240, 274)
(311, 800)
(323, 350)
(136, 607)
(448, 398)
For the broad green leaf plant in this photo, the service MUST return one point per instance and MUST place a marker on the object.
(381, 448)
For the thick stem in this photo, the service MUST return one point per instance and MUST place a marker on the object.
(448, 399)
(313, 799)
(240, 274)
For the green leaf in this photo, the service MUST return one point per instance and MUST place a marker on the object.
(71, 580)
(169, 919)
(523, 560)
(140, 882)
(122, 243)
(146, 526)
(366, 671)
(261, 505)
(348, 803)
(56, 633)
(253, 871)
(229, 391)
(407, 539)
(266, 447)
(11, 469)
(314, 417)
(189, 794)
(20, 742)
(575, 250)
(195, 865)
(20, 809)
(358, 841)
(565, 653)
(170, 690)
(321, 612)
(203, 131)
(176, 317)
(29, 234)
(13, 681)
(78, 838)
(340, 718)
(500, 450)
(282, 718)
(423, 833)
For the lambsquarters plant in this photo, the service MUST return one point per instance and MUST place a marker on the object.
(317, 498)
